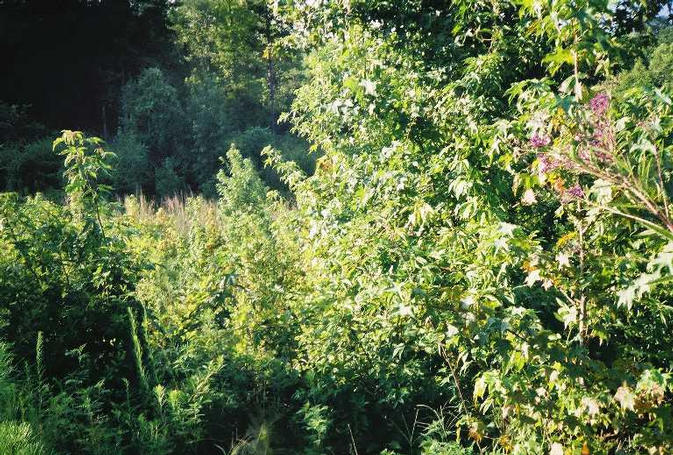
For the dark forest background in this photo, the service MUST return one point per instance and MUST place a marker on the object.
(168, 85)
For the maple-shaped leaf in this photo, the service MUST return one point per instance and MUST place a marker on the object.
(625, 398)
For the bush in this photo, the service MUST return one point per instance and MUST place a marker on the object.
(167, 181)
(252, 141)
(30, 167)
(133, 171)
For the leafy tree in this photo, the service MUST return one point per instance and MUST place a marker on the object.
(167, 181)
(132, 171)
(152, 110)
(653, 72)
(241, 43)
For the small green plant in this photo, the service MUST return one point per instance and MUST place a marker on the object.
(86, 163)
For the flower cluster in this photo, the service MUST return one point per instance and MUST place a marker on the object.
(603, 156)
(571, 194)
(575, 191)
(538, 141)
(547, 162)
(592, 152)
(599, 104)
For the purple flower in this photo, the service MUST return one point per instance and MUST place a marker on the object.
(599, 104)
(538, 141)
(575, 191)
(548, 162)
(603, 156)
(598, 135)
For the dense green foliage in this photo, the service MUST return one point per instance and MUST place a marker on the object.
(479, 260)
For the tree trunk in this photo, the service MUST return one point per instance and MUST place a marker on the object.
(104, 116)
(270, 73)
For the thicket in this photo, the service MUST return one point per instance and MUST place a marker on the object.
(480, 262)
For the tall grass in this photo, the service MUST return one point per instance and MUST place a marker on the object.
(16, 438)
(183, 211)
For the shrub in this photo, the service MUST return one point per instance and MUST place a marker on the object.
(167, 182)
(133, 171)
